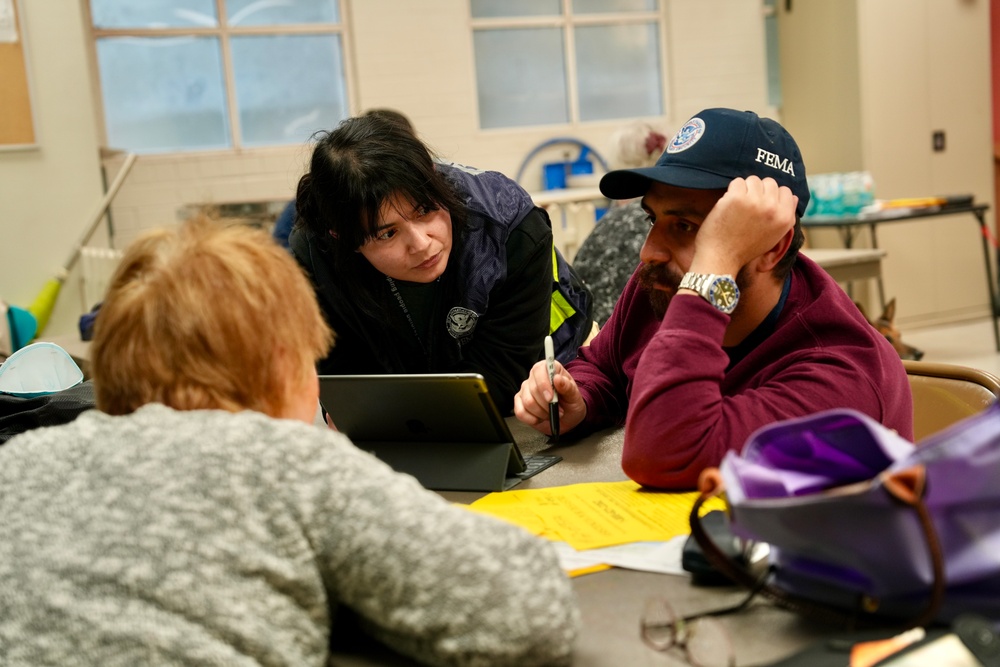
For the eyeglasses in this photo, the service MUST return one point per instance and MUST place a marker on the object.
(704, 640)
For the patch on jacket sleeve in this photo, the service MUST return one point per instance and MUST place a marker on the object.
(461, 322)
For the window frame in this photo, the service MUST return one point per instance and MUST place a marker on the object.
(567, 21)
(223, 32)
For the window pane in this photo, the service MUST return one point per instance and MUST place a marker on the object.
(606, 6)
(520, 77)
(280, 100)
(163, 93)
(153, 13)
(492, 8)
(255, 12)
(619, 71)
(773, 55)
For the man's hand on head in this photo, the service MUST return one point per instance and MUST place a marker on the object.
(751, 218)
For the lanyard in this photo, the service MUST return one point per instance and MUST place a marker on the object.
(406, 312)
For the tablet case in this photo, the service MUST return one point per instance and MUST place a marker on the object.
(443, 429)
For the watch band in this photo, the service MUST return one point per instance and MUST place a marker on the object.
(719, 290)
(695, 281)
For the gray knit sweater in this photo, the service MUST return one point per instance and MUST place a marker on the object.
(210, 538)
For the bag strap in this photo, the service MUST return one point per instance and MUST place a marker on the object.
(906, 487)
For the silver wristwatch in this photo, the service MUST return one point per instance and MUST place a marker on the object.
(720, 291)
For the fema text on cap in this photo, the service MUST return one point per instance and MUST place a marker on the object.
(775, 161)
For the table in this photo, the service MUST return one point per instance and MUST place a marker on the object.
(848, 264)
(850, 226)
(611, 602)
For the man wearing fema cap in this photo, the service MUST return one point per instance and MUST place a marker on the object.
(724, 327)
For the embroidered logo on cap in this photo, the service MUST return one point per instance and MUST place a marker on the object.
(775, 161)
(687, 136)
(461, 322)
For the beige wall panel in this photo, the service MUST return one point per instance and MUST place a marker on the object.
(893, 38)
(48, 194)
(717, 56)
(923, 68)
(935, 269)
(919, 65)
(960, 98)
(820, 83)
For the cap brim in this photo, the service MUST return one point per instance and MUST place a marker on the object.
(631, 183)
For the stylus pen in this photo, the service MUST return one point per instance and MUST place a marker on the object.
(550, 361)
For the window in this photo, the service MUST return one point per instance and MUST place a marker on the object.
(542, 62)
(773, 54)
(181, 75)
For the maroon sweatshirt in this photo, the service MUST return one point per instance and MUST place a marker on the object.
(683, 409)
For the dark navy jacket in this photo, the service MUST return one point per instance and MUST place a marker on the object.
(490, 311)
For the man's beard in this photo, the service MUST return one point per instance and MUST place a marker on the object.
(662, 282)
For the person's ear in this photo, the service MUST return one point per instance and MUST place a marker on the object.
(770, 259)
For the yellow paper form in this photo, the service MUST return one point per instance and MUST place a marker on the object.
(598, 514)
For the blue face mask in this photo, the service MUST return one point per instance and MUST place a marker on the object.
(39, 369)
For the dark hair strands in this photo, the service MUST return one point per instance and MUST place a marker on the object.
(355, 170)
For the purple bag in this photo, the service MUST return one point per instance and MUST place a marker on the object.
(864, 526)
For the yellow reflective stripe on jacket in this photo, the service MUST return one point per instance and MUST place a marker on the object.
(561, 310)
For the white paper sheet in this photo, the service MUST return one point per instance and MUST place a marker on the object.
(660, 557)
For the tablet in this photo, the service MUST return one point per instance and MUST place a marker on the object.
(442, 428)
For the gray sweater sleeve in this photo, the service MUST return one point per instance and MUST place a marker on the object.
(204, 537)
(435, 581)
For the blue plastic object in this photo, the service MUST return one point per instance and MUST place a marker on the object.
(555, 173)
(22, 326)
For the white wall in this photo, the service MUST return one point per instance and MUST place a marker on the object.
(47, 194)
(417, 57)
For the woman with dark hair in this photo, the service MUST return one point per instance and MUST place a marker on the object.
(423, 266)
(286, 219)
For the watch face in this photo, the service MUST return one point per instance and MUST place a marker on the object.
(725, 294)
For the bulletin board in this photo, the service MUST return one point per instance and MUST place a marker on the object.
(17, 127)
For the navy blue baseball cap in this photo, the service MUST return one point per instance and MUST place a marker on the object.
(713, 148)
